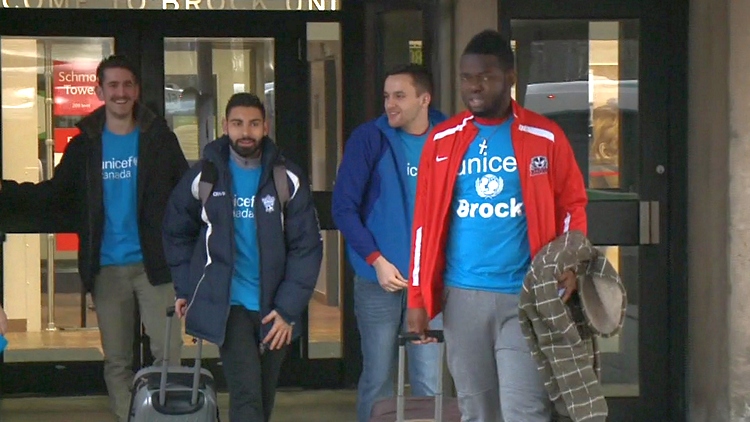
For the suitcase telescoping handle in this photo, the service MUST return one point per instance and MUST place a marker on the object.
(403, 339)
(165, 365)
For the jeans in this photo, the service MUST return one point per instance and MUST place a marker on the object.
(380, 317)
(251, 377)
(117, 289)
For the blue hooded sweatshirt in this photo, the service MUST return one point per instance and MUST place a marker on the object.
(370, 205)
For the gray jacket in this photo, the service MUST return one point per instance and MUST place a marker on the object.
(569, 358)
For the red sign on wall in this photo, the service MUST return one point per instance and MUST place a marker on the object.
(63, 137)
(74, 94)
(74, 86)
(67, 242)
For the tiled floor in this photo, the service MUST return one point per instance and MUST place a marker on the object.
(76, 344)
(307, 406)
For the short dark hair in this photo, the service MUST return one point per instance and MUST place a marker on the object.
(116, 61)
(245, 99)
(421, 76)
(490, 42)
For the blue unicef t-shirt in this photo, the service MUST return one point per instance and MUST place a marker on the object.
(488, 245)
(245, 290)
(121, 244)
(413, 145)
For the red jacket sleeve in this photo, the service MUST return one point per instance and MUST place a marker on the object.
(570, 190)
(421, 203)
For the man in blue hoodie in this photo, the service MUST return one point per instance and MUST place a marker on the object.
(373, 206)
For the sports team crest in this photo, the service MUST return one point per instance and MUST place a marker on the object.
(268, 202)
(539, 165)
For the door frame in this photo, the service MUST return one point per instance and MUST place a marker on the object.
(362, 102)
(374, 44)
(53, 377)
(663, 134)
(140, 36)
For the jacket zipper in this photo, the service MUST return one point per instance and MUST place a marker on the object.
(91, 221)
(232, 240)
(268, 178)
(209, 232)
(260, 272)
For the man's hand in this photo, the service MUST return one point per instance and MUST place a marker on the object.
(180, 307)
(3, 321)
(569, 282)
(389, 277)
(281, 332)
(418, 322)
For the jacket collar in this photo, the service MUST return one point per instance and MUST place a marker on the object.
(434, 115)
(93, 124)
(519, 113)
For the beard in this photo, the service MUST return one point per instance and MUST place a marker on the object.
(247, 151)
(492, 109)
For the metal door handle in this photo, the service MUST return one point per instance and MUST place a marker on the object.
(649, 222)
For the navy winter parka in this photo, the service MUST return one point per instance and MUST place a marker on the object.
(199, 244)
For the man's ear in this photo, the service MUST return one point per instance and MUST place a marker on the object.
(510, 77)
(426, 99)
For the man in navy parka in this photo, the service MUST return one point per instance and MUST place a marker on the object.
(244, 264)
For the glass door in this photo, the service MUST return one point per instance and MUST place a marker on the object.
(200, 74)
(399, 32)
(294, 66)
(588, 84)
(325, 322)
(601, 80)
(190, 64)
(47, 87)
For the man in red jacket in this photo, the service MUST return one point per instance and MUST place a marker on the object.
(495, 184)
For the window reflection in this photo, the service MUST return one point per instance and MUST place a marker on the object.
(48, 85)
(324, 58)
(401, 41)
(200, 75)
(584, 76)
(605, 147)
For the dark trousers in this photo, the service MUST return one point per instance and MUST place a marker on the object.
(251, 376)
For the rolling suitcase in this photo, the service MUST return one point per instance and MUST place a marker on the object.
(174, 393)
(417, 409)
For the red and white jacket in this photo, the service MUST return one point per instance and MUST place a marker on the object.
(553, 191)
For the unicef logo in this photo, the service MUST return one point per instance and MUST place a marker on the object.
(489, 186)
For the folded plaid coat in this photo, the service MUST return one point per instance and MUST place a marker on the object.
(563, 336)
